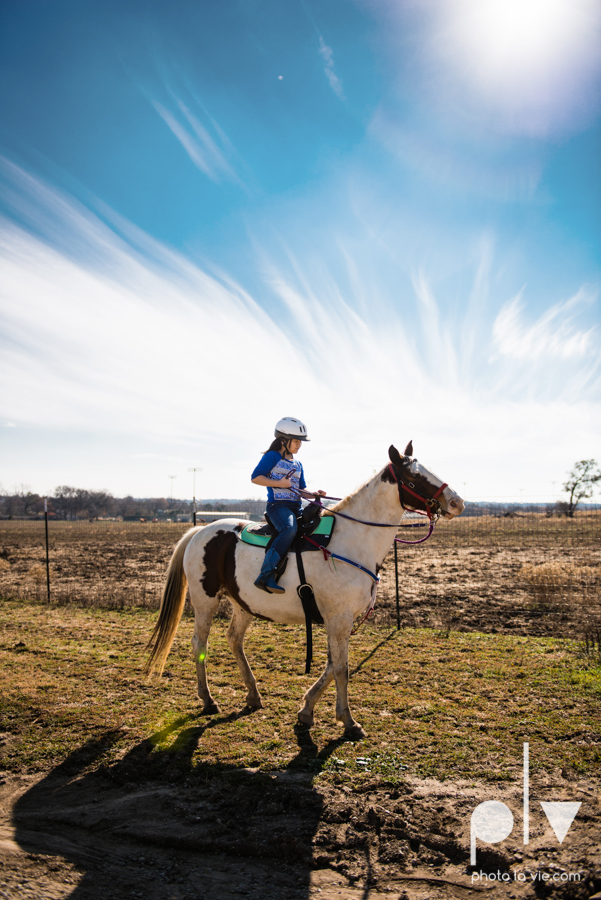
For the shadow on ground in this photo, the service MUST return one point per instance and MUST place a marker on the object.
(154, 825)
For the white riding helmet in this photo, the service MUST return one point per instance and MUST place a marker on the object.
(291, 428)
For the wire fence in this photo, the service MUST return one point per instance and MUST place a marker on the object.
(508, 526)
(496, 568)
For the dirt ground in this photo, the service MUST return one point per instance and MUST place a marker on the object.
(469, 576)
(280, 837)
(78, 831)
(482, 589)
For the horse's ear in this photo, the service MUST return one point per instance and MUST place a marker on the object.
(409, 449)
(394, 456)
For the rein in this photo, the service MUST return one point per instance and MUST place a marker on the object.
(327, 554)
(432, 505)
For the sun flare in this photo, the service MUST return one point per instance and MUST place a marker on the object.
(536, 56)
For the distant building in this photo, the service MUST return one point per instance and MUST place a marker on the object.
(214, 515)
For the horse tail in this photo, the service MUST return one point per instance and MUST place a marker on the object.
(172, 607)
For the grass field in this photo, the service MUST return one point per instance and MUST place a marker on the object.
(114, 786)
(454, 706)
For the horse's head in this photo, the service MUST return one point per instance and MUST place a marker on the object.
(421, 489)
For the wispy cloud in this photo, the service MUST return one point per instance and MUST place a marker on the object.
(442, 154)
(113, 333)
(327, 55)
(207, 145)
(554, 335)
(439, 337)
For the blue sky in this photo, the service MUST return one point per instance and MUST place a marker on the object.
(382, 217)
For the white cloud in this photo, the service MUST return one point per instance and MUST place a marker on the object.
(327, 54)
(132, 357)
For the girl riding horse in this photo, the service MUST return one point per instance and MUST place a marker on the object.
(283, 477)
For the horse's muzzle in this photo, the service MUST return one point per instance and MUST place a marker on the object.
(456, 507)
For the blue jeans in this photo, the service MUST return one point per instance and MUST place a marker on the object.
(284, 519)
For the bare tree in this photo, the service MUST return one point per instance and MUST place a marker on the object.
(582, 482)
(32, 503)
(77, 503)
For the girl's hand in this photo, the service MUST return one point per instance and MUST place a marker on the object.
(284, 483)
(318, 494)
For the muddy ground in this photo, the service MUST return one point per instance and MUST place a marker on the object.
(280, 837)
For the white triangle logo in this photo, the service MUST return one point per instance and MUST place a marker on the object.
(560, 814)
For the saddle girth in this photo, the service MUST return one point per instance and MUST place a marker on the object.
(310, 609)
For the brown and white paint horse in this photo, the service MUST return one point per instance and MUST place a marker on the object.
(214, 563)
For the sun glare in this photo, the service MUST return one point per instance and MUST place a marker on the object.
(533, 55)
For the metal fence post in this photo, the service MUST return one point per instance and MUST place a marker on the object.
(47, 552)
(396, 583)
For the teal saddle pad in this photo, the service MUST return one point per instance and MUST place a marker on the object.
(321, 534)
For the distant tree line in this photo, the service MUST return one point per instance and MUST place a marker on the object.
(68, 502)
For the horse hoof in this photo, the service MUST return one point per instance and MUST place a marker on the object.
(305, 719)
(354, 733)
(210, 709)
(254, 703)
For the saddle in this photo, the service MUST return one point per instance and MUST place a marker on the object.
(310, 523)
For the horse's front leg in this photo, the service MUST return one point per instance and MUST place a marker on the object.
(305, 714)
(339, 633)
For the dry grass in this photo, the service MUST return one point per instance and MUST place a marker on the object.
(573, 588)
(526, 530)
(554, 582)
(525, 575)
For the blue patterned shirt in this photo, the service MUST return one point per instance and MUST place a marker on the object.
(273, 465)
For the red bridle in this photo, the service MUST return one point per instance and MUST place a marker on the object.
(432, 504)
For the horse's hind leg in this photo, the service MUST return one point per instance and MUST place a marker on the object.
(235, 638)
(204, 609)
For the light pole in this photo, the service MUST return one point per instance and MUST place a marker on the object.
(172, 477)
(194, 469)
